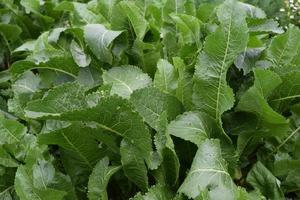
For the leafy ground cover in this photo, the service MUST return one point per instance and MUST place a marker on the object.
(149, 100)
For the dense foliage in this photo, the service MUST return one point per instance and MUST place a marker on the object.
(149, 100)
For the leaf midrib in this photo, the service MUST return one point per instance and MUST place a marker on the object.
(222, 69)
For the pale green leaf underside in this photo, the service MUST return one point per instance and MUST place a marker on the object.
(99, 39)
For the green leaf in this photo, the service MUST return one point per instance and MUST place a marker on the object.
(192, 126)
(125, 80)
(100, 39)
(287, 93)
(6, 159)
(211, 92)
(11, 131)
(64, 64)
(208, 174)
(81, 13)
(115, 115)
(263, 180)
(77, 139)
(247, 60)
(157, 192)
(254, 100)
(135, 15)
(151, 110)
(184, 90)
(99, 179)
(189, 26)
(168, 171)
(79, 56)
(133, 164)
(10, 31)
(259, 26)
(27, 83)
(61, 99)
(284, 167)
(43, 174)
(165, 77)
(24, 185)
(283, 49)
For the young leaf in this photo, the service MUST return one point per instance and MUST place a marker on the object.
(135, 15)
(184, 90)
(165, 77)
(99, 179)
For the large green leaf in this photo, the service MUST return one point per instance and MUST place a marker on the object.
(262, 179)
(115, 115)
(125, 80)
(208, 174)
(99, 179)
(211, 92)
(254, 100)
